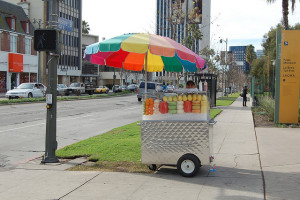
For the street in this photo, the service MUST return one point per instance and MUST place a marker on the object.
(23, 126)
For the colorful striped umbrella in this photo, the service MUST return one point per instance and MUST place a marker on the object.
(146, 51)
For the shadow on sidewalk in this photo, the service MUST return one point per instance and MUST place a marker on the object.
(236, 181)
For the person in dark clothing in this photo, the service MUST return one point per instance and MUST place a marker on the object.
(244, 95)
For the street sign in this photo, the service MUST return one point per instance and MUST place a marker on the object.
(45, 40)
(64, 24)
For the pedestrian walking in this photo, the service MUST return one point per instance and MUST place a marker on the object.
(244, 95)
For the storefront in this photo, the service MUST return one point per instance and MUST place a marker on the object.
(16, 69)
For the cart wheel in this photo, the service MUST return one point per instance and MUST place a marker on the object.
(152, 167)
(188, 165)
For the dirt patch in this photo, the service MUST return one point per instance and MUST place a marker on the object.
(121, 166)
(261, 120)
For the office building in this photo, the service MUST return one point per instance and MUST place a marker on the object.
(69, 17)
(259, 53)
(171, 21)
(239, 57)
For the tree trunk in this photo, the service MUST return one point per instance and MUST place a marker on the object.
(285, 13)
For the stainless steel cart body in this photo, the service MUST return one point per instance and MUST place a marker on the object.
(164, 142)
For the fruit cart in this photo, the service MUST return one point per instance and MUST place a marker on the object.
(174, 131)
(177, 131)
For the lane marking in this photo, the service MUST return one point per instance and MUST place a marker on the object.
(59, 120)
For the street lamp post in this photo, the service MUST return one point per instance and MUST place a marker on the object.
(273, 80)
(226, 42)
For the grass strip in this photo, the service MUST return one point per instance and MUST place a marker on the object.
(215, 112)
(62, 98)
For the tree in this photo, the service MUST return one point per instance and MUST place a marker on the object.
(250, 54)
(259, 67)
(194, 34)
(85, 27)
(285, 11)
(236, 77)
(212, 60)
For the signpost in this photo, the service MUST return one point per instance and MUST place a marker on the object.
(47, 40)
(287, 77)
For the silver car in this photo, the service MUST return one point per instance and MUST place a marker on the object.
(27, 90)
(152, 88)
(62, 89)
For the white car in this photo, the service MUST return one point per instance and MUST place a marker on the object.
(27, 90)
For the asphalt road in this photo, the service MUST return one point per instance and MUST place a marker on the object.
(23, 126)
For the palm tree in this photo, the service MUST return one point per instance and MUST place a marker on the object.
(250, 54)
(285, 11)
(85, 27)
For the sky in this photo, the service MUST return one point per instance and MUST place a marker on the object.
(242, 22)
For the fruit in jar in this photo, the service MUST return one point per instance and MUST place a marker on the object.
(196, 111)
(174, 103)
(187, 106)
(174, 98)
(199, 97)
(170, 98)
(156, 107)
(173, 111)
(172, 107)
(195, 97)
(180, 107)
(190, 98)
(180, 111)
(149, 106)
(184, 97)
(165, 99)
(203, 103)
(203, 109)
(179, 98)
(204, 98)
(163, 107)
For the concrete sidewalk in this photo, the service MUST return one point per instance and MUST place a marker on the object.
(238, 175)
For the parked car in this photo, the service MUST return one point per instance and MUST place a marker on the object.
(62, 89)
(124, 88)
(151, 89)
(117, 88)
(80, 88)
(132, 87)
(27, 90)
(102, 89)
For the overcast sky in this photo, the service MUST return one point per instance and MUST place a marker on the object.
(243, 22)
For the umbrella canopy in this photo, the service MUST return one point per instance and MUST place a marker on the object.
(146, 51)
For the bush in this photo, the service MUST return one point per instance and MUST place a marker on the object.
(268, 104)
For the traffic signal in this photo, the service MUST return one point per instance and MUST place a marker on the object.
(45, 40)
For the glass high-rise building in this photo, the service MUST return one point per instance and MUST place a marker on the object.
(172, 19)
(239, 57)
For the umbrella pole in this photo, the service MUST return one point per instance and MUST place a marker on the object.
(146, 74)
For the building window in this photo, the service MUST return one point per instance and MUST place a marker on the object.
(13, 44)
(27, 27)
(13, 24)
(27, 46)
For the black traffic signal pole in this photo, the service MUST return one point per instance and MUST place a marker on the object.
(51, 143)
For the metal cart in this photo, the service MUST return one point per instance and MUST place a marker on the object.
(186, 144)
